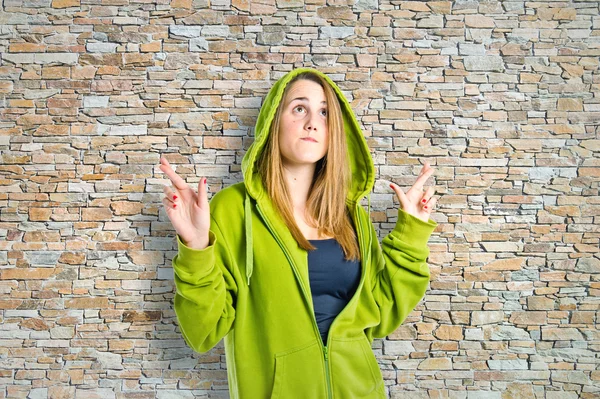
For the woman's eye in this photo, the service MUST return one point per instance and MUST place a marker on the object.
(324, 112)
(298, 109)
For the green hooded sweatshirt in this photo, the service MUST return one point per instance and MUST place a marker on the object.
(251, 285)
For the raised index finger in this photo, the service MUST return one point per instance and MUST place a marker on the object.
(177, 181)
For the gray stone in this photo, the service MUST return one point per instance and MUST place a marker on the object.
(45, 258)
(107, 360)
(95, 101)
(588, 265)
(364, 5)
(18, 58)
(435, 21)
(514, 364)
(484, 63)
(128, 130)
(508, 333)
(198, 44)
(185, 30)
(7, 32)
(471, 49)
(62, 332)
(215, 30)
(178, 394)
(38, 393)
(56, 58)
(180, 60)
(484, 395)
(338, 32)
(37, 94)
(542, 173)
(101, 47)
(398, 348)
(486, 317)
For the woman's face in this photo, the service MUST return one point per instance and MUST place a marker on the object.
(303, 138)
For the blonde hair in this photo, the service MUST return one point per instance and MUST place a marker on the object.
(326, 204)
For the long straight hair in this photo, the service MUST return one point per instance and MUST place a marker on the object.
(326, 204)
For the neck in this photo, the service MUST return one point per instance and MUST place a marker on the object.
(298, 180)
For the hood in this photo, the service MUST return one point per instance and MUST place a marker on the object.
(361, 163)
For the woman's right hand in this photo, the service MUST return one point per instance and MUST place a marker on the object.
(188, 211)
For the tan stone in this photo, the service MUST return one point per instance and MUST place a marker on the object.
(30, 273)
(72, 258)
(41, 236)
(528, 318)
(31, 119)
(449, 333)
(434, 61)
(34, 324)
(52, 130)
(85, 72)
(65, 3)
(61, 391)
(56, 72)
(96, 214)
(10, 303)
(540, 303)
(442, 363)
(87, 303)
(120, 345)
(26, 48)
(505, 264)
(126, 208)
(39, 214)
(148, 315)
(333, 12)
(179, 103)
(155, 47)
(366, 60)
(569, 104)
(518, 390)
(479, 21)
(222, 143)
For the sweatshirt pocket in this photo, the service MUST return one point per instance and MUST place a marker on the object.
(354, 368)
(299, 373)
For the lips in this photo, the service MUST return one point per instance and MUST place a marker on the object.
(309, 139)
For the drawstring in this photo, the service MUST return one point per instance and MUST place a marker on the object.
(369, 225)
(248, 223)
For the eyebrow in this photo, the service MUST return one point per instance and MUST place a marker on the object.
(306, 99)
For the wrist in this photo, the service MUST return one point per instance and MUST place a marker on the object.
(196, 244)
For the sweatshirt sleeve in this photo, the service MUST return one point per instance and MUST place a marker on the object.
(401, 273)
(205, 291)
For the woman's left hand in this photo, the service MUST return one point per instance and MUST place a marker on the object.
(417, 202)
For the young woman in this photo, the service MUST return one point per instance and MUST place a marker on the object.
(287, 265)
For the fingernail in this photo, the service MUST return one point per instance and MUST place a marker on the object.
(425, 207)
(174, 197)
(423, 200)
(174, 205)
(391, 186)
(205, 180)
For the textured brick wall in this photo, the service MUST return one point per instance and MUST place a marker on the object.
(502, 97)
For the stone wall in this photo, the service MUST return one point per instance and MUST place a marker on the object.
(500, 96)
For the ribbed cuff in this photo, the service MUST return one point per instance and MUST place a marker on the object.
(413, 231)
(192, 263)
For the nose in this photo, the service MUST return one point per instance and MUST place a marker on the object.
(312, 123)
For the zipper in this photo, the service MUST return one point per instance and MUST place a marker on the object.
(329, 393)
(314, 319)
(306, 296)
